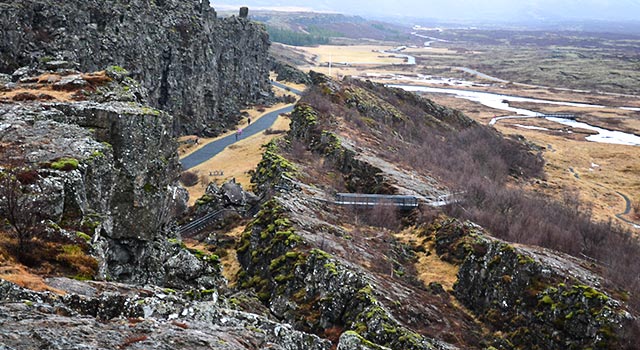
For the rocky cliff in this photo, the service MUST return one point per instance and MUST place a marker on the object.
(540, 299)
(197, 67)
(104, 165)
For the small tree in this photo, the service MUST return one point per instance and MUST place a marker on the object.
(18, 207)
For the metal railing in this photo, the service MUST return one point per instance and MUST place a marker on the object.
(202, 222)
(359, 199)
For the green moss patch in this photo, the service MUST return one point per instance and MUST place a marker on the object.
(65, 164)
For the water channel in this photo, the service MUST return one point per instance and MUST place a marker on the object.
(501, 102)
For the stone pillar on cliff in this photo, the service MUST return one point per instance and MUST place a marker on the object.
(205, 5)
(244, 12)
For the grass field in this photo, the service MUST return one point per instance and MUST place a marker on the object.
(599, 170)
(361, 54)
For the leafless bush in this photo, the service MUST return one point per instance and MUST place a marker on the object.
(189, 178)
(288, 99)
(298, 150)
(478, 162)
(271, 131)
(384, 215)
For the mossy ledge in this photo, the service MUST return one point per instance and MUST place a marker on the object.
(273, 170)
(307, 127)
(536, 302)
(310, 288)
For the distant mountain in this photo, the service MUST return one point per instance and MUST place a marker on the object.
(312, 28)
(485, 11)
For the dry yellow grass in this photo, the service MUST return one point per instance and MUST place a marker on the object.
(230, 264)
(235, 161)
(41, 88)
(19, 275)
(359, 54)
(276, 89)
(617, 169)
(429, 267)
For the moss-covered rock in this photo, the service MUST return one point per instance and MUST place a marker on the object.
(359, 176)
(310, 288)
(538, 299)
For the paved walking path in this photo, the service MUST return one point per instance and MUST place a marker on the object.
(211, 149)
(288, 88)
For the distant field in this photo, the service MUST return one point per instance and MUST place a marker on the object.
(594, 171)
(353, 55)
(534, 64)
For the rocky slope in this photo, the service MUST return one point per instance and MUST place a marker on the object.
(104, 165)
(115, 316)
(362, 276)
(89, 157)
(196, 66)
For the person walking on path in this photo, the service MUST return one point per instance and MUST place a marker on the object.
(249, 121)
(239, 134)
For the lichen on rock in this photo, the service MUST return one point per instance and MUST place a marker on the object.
(537, 298)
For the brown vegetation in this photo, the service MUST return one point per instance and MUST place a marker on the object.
(189, 178)
(42, 88)
(28, 238)
(487, 170)
(133, 339)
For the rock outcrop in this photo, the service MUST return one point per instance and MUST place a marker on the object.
(106, 168)
(115, 316)
(286, 72)
(196, 66)
(539, 299)
(313, 290)
(339, 274)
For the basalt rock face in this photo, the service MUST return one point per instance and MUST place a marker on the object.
(289, 73)
(107, 168)
(539, 299)
(115, 316)
(195, 66)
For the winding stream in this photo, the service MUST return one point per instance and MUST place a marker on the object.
(396, 53)
(499, 101)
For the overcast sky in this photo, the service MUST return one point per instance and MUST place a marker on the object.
(479, 10)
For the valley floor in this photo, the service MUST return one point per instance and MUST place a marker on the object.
(602, 175)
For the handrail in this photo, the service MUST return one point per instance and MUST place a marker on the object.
(201, 222)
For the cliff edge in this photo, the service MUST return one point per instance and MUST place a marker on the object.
(197, 67)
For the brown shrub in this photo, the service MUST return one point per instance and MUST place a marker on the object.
(288, 99)
(189, 178)
(27, 177)
(478, 162)
(385, 215)
(75, 259)
(271, 131)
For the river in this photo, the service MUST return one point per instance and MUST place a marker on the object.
(499, 101)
